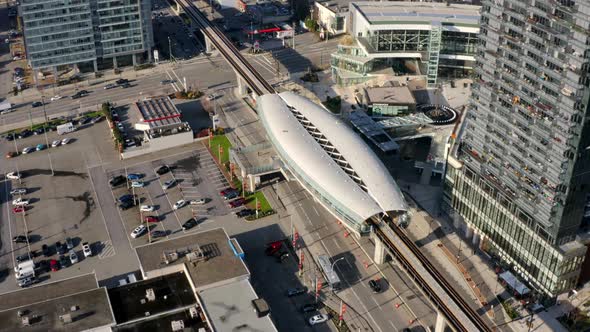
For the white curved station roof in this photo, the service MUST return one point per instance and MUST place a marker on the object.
(307, 156)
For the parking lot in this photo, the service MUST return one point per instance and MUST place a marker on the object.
(193, 176)
(51, 193)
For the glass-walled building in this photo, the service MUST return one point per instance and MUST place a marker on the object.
(407, 37)
(85, 32)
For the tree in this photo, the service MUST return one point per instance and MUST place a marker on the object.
(311, 24)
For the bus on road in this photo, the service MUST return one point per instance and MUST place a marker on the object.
(329, 273)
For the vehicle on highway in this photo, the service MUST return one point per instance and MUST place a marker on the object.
(54, 265)
(18, 209)
(86, 249)
(20, 202)
(162, 170)
(192, 222)
(46, 250)
(110, 86)
(60, 248)
(134, 176)
(122, 81)
(13, 176)
(137, 184)
(150, 219)
(375, 286)
(69, 243)
(147, 208)
(65, 141)
(80, 94)
(245, 212)
(168, 184)
(21, 239)
(28, 149)
(231, 195)
(18, 191)
(73, 257)
(11, 154)
(309, 307)
(138, 231)
(237, 203)
(41, 147)
(125, 85)
(199, 201)
(296, 291)
(56, 97)
(164, 82)
(116, 181)
(318, 319)
(64, 261)
(37, 104)
(157, 234)
(179, 204)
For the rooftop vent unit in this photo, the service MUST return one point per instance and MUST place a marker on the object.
(150, 295)
(194, 313)
(177, 325)
(25, 321)
(66, 318)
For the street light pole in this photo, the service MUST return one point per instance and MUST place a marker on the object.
(170, 49)
(336, 261)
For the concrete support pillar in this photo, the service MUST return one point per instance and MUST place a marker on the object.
(379, 256)
(208, 45)
(150, 56)
(35, 76)
(95, 63)
(76, 69)
(115, 62)
(242, 88)
(251, 182)
(134, 58)
(54, 70)
(440, 322)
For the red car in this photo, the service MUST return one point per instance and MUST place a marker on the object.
(273, 247)
(18, 209)
(150, 219)
(53, 265)
(237, 202)
(225, 191)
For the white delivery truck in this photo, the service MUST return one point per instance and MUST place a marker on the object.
(5, 107)
(25, 269)
(65, 128)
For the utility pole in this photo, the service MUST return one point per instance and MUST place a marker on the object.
(170, 49)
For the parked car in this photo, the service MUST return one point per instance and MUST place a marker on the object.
(26, 282)
(69, 243)
(28, 149)
(73, 257)
(86, 249)
(375, 286)
(162, 170)
(273, 247)
(126, 205)
(60, 248)
(282, 256)
(245, 212)
(147, 208)
(11, 154)
(137, 184)
(13, 176)
(168, 184)
(150, 219)
(134, 176)
(318, 319)
(179, 204)
(138, 231)
(18, 191)
(41, 147)
(225, 191)
(46, 250)
(20, 202)
(231, 195)
(54, 265)
(125, 198)
(65, 141)
(55, 143)
(192, 222)
(21, 239)
(64, 261)
(309, 307)
(116, 181)
(18, 209)
(296, 291)
(199, 201)
(157, 234)
(237, 203)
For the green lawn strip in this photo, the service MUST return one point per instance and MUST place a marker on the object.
(220, 140)
(251, 201)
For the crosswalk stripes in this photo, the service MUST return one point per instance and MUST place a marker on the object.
(107, 250)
